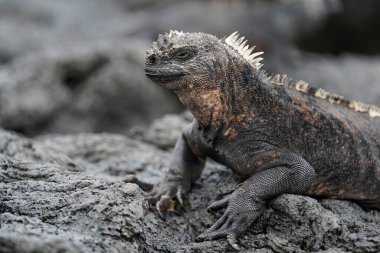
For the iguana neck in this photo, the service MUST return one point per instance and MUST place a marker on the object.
(207, 106)
(230, 99)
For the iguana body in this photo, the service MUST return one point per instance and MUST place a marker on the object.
(281, 136)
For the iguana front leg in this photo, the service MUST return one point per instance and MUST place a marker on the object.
(185, 166)
(247, 202)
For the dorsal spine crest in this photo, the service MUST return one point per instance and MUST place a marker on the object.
(239, 44)
(302, 86)
(321, 93)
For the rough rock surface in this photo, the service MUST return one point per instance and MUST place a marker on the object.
(91, 87)
(163, 132)
(67, 193)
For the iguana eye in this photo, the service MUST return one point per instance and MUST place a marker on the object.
(184, 55)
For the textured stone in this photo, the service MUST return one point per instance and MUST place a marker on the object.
(87, 87)
(68, 193)
(163, 132)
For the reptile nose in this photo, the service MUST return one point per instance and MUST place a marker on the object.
(150, 70)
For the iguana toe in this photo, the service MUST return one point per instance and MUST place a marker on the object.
(228, 234)
(219, 204)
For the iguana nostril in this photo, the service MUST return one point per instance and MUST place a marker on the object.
(152, 59)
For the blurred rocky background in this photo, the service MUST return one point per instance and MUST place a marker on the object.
(77, 65)
(74, 66)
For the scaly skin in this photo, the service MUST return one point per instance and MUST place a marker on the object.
(281, 136)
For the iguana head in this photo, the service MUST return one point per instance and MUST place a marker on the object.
(181, 60)
(208, 74)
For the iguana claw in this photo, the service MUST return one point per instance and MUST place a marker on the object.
(162, 195)
(159, 210)
(232, 241)
(179, 197)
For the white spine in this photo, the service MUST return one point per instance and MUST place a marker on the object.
(239, 44)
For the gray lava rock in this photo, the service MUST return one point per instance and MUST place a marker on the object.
(31, 26)
(69, 193)
(87, 87)
(163, 132)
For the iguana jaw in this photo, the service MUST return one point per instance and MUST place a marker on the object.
(169, 78)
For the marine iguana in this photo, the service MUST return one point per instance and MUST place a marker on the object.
(280, 135)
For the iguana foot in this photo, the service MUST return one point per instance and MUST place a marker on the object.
(241, 211)
(163, 194)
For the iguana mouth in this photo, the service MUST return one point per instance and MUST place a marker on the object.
(158, 75)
